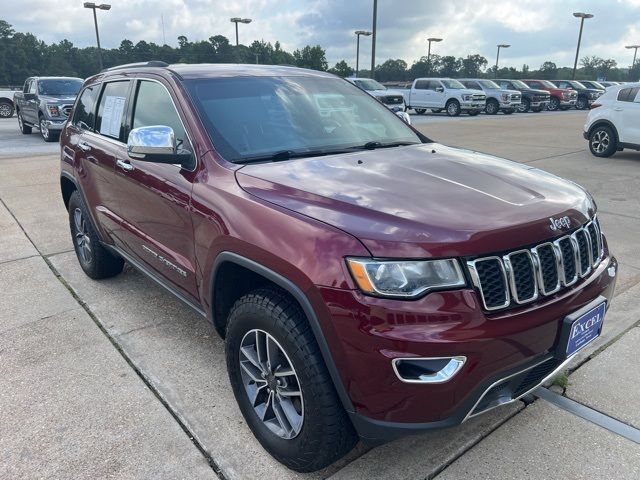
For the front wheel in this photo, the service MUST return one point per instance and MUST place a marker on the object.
(96, 261)
(492, 107)
(420, 111)
(524, 106)
(554, 104)
(582, 103)
(281, 383)
(453, 108)
(602, 142)
(47, 135)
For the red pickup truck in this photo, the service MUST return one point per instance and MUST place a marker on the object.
(367, 280)
(561, 98)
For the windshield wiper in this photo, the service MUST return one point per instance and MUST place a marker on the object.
(286, 155)
(375, 145)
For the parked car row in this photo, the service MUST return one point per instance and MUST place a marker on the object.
(6, 103)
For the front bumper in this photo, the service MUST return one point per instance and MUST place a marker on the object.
(510, 105)
(542, 104)
(568, 103)
(397, 107)
(55, 125)
(473, 106)
(514, 343)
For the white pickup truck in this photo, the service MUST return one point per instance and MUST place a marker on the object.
(447, 94)
(6, 103)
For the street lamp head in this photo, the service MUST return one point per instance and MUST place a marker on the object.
(89, 5)
(432, 39)
(104, 6)
(366, 33)
(632, 46)
(246, 20)
(582, 15)
(503, 45)
(240, 20)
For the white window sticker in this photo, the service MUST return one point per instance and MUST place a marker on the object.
(112, 116)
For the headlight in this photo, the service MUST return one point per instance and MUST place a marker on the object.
(506, 97)
(405, 278)
(467, 98)
(54, 110)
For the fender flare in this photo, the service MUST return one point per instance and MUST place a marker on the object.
(597, 123)
(291, 288)
(72, 179)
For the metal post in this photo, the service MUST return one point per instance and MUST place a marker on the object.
(575, 62)
(373, 39)
(236, 33)
(95, 22)
(429, 58)
(497, 59)
(357, 53)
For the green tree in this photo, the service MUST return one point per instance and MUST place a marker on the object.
(392, 70)
(311, 57)
(342, 69)
(448, 66)
(473, 65)
(548, 70)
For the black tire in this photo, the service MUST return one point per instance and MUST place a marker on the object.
(47, 135)
(525, 106)
(554, 104)
(602, 141)
(420, 111)
(325, 433)
(536, 110)
(6, 109)
(97, 262)
(492, 107)
(582, 103)
(25, 129)
(436, 110)
(453, 108)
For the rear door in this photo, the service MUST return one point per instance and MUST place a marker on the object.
(420, 94)
(627, 111)
(154, 198)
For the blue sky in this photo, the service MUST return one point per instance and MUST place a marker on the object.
(538, 31)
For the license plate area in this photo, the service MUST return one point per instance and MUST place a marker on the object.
(581, 328)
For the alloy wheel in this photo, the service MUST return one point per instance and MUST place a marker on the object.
(271, 384)
(44, 129)
(83, 241)
(600, 141)
(5, 110)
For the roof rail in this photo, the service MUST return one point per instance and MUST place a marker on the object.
(152, 63)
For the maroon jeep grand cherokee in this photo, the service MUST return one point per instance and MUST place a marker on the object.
(367, 280)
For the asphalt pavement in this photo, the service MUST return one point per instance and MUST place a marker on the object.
(118, 379)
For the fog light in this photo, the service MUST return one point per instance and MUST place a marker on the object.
(427, 370)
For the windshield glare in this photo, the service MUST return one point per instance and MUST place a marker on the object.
(547, 84)
(519, 84)
(489, 84)
(59, 88)
(577, 85)
(369, 84)
(249, 117)
(453, 84)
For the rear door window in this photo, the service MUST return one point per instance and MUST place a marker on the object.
(628, 94)
(422, 85)
(84, 113)
(110, 118)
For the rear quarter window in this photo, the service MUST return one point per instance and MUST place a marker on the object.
(628, 94)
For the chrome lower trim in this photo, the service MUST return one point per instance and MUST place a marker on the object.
(444, 375)
(497, 382)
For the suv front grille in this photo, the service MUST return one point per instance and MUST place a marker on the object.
(525, 275)
(392, 99)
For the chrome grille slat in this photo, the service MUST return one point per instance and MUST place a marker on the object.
(523, 276)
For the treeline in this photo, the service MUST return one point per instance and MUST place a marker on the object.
(23, 55)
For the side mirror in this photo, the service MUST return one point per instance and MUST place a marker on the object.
(440, 89)
(404, 116)
(155, 144)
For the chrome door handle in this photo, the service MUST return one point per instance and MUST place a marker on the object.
(84, 146)
(618, 109)
(126, 166)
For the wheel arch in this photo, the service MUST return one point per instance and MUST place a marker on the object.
(229, 263)
(607, 123)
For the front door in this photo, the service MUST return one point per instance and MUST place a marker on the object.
(154, 202)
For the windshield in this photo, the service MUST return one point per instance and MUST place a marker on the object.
(489, 84)
(577, 85)
(453, 84)
(547, 84)
(59, 88)
(249, 118)
(597, 85)
(519, 84)
(369, 84)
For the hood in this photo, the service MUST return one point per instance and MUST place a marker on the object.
(470, 91)
(423, 200)
(535, 91)
(385, 93)
(55, 99)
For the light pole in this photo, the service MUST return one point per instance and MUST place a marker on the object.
(373, 39)
(238, 20)
(502, 45)
(95, 7)
(581, 16)
(358, 33)
(430, 40)
(635, 54)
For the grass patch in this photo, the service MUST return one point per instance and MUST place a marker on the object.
(561, 380)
